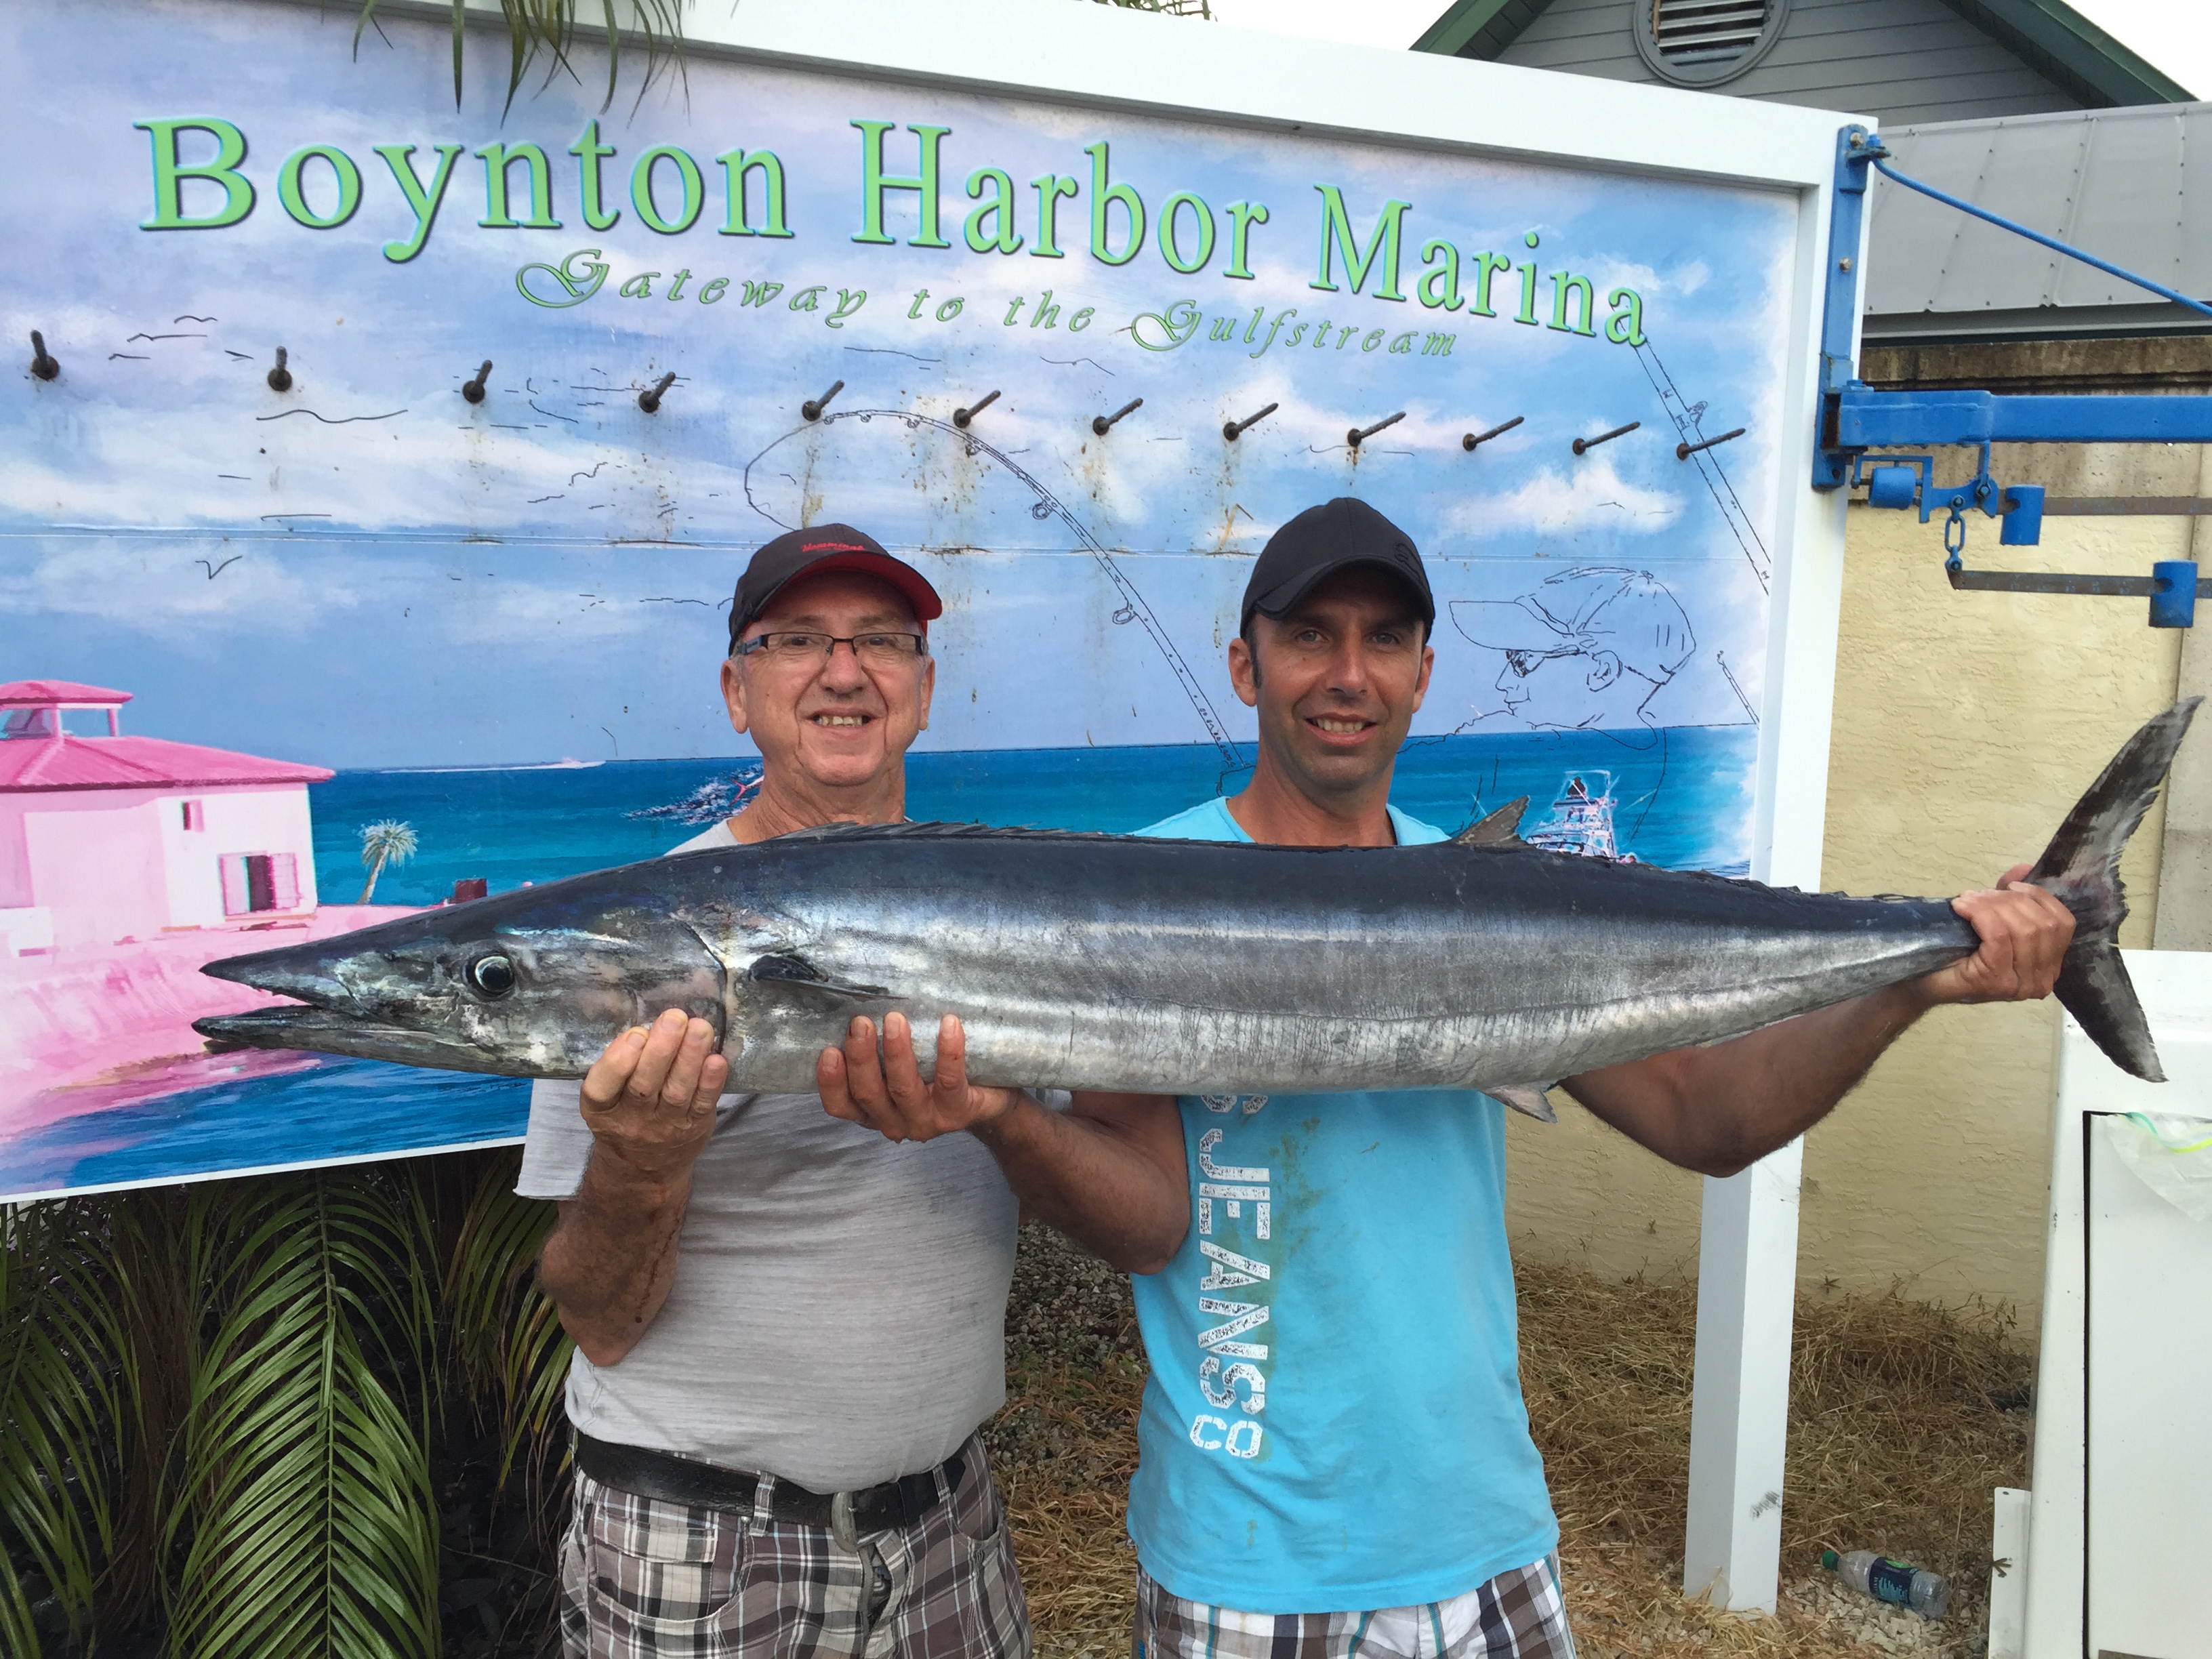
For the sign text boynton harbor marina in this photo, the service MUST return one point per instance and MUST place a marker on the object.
(321, 186)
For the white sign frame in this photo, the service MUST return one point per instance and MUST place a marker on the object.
(1088, 55)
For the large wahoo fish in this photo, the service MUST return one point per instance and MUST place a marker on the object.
(1107, 962)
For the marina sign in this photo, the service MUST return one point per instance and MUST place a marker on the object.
(368, 545)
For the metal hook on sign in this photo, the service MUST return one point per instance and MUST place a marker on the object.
(1361, 434)
(813, 408)
(962, 416)
(650, 399)
(280, 378)
(1685, 450)
(474, 390)
(1584, 446)
(1473, 440)
(1233, 430)
(1102, 424)
(43, 367)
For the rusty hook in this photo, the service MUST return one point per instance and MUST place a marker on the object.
(962, 416)
(1234, 430)
(43, 367)
(1583, 446)
(280, 378)
(1101, 424)
(474, 390)
(813, 408)
(1683, 451)
(1359, 435)
(1476, 440)
(649, 400)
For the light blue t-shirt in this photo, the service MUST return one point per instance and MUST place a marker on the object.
(1334, 1420)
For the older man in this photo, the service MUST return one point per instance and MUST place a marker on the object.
(1335, 1458)
(787, 1329)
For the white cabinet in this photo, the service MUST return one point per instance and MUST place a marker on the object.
(2120, 1539)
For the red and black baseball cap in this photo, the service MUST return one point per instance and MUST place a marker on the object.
(817, 551)
(1323, 540)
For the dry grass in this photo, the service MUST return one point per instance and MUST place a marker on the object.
(1903, 1417)
(1065, 1444)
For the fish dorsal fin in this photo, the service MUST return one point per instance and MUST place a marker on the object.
(935, 831)
(1526, 1097)
(1498, 828)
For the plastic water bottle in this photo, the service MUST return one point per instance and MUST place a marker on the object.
(1925, 1593)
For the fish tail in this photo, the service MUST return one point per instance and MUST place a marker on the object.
(2082, 868)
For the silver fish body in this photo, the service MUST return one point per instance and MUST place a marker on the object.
(1128, 965)
(1115, 963)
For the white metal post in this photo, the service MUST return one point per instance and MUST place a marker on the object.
(1739, 1416)
(1748, 1230)
(2009, 1527)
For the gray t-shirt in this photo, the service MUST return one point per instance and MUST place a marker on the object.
(839, 1312)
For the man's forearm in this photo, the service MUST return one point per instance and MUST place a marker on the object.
(1083, 1178)
(1716, 1109)
(611, 1261)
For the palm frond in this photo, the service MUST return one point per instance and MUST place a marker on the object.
(303, 1505)
(158, 1307)
(507, 1333)
(549, 27)
(59, 1330)
(19, 1630)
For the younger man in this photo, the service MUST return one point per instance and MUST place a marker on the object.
(1334, 1456)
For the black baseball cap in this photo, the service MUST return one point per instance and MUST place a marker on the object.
(1325, 539)
(816, 551)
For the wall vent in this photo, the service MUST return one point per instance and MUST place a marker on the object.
(1702, 43)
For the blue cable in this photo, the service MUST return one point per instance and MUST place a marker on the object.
(2051, 242)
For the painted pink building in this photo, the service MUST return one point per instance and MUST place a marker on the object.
(106, 839)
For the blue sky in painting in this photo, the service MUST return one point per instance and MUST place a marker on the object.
(418, 581)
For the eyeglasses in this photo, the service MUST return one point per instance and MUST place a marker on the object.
(1524, 663)
(871, 650)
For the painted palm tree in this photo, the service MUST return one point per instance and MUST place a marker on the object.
(385, 842)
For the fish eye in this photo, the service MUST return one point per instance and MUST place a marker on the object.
(494, 976)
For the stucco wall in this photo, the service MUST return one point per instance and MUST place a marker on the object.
(1965, 724)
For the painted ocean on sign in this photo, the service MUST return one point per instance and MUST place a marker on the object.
(510, 825)
(506, 826)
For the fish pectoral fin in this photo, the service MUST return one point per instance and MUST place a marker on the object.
(1498, 828)
(1528, 1097)
(797, 971)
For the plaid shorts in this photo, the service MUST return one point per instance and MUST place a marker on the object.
(1517, 1615)
(641, 1579)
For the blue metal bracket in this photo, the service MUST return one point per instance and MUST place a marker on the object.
(1857, 419)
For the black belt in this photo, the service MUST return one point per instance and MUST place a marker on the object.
(687, 1480)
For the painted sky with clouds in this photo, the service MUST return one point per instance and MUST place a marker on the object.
(369, 571)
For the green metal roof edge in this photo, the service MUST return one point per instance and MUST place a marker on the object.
(1468, 19)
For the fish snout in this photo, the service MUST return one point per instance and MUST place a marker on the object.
(305, 973)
